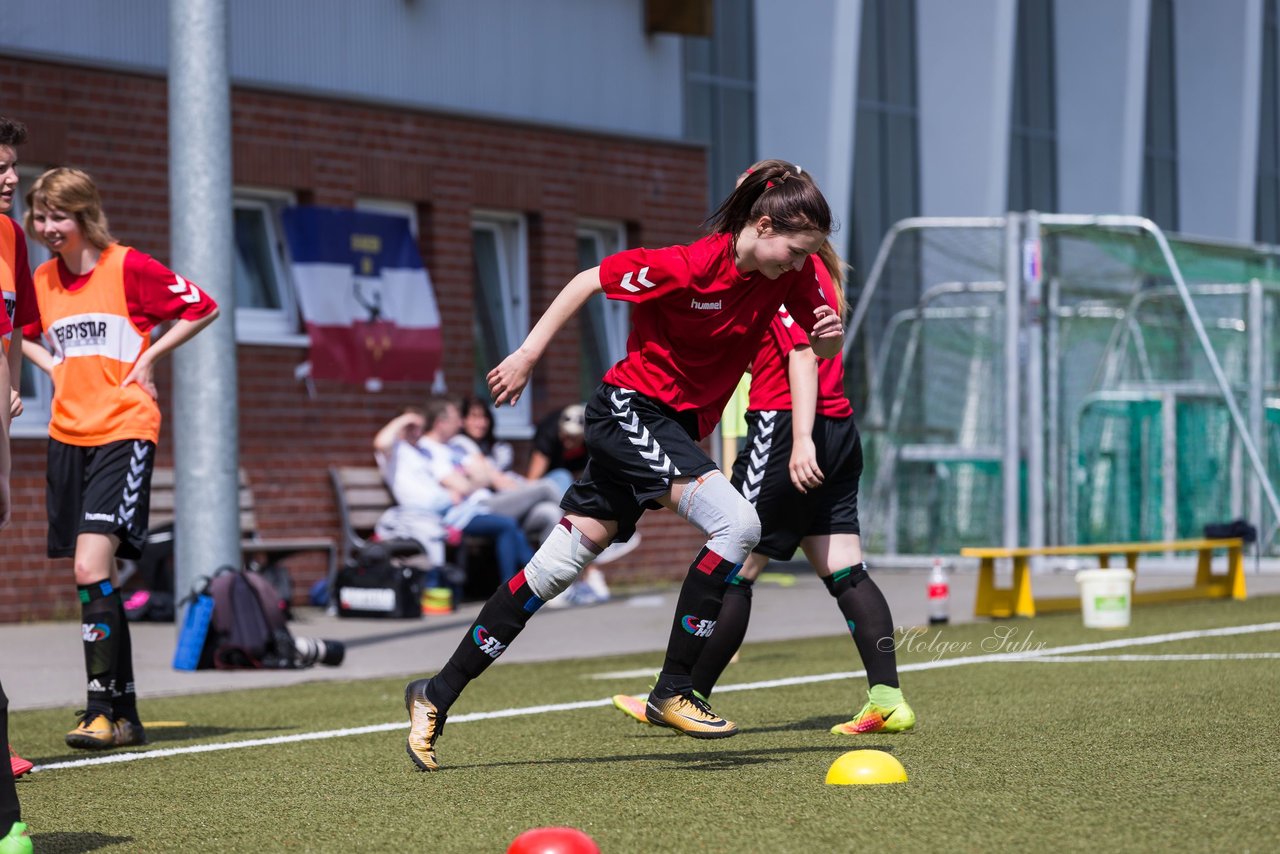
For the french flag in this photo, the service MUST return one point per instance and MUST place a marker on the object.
(365, 295)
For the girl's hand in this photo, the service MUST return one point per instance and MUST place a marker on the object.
(15, 404)
(508, 380)
(140, 373)
(805, 474)
(829, 324)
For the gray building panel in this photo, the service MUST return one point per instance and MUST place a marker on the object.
(575, 63)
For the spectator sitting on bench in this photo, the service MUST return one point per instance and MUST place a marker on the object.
(477, 439)
(440, 496)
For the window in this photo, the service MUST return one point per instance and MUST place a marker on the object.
(1033, 137)
(886, 158)
(1160, 153)
(266, 309)
(606, 322)
(37, 390)
(720, 94)
(501, 309)
(1267, 216)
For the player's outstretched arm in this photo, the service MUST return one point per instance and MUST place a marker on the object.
(508, 380)
(182, 331)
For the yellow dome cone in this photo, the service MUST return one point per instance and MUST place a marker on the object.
(865, 767)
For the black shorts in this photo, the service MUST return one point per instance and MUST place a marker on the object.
(636, 447)
(787, 516)
(102, 489)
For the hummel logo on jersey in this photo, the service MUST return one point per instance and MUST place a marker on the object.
(488, 644)
(186, 291)
(708, 306)
(698, 628)
(640, 279)
(99, 517)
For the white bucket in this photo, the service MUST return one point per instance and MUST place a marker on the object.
(1106, 596)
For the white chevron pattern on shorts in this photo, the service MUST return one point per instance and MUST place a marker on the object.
(133, 483)
(639, 435)
(758, 456)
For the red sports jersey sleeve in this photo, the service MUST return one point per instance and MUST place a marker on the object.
(156, 294)
(27, 310)
(636, 275)
(5, 326)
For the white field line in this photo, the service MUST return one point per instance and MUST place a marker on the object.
(1208, 656)
(591, 704)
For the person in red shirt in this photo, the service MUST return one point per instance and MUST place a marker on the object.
(700, 312)
(98, 304)
(799, 467)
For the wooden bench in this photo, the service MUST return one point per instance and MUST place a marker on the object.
(253, 546)
(362, 497)
(1018, 601)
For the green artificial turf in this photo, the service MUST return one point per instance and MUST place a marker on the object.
(1130, 756)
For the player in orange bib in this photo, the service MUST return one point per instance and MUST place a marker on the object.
(99, 302)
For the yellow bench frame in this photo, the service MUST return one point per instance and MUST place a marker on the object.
(1018, 601)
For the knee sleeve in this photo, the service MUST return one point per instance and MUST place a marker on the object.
(559, 560)
(844, 579)
(729, 521)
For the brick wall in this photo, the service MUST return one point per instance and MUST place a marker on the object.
(114, 125)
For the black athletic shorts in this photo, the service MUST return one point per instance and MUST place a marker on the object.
(636, 447)
(787, 516)
(103, 489)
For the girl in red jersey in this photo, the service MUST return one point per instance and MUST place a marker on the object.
(98, 303)
(699, 314)
(799, 468)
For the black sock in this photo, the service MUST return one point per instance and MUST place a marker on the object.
(867, 613)
(731, 628)
(502, 618)
(124, 699)
(697, 609)
(101, 614)
(10, 810)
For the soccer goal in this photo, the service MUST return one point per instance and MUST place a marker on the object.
(1038, 379)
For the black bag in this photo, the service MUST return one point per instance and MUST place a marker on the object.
(248, 629)
(373, 585)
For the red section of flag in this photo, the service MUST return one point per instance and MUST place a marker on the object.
(377, 349)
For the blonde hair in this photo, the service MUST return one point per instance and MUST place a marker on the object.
(70, 191)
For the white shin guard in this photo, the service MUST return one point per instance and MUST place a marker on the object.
(558, 561)
(729, 521)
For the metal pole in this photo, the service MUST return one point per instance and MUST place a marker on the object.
(1012, 370)
(1255, 326)
(206, 412)
(1169, 466)
(1053, 412)
(1033, 279)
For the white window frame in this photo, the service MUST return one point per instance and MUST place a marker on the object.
(33, 423)
(511, 234)
(272, 326)
(610, 319)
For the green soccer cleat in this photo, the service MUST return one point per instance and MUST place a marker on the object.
(875, 718)
(94, 732)
(632, 707)
(688, 714)
(426, 723)
(18, 841)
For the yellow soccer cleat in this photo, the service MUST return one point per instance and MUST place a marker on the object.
(632, 707)
(689, 715)
(426, 722)
(94, 732)
(873, 718)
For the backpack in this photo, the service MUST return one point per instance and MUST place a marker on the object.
(247, 629)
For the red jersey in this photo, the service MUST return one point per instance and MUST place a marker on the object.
(153, 292)
(698, 320)
(15, 280)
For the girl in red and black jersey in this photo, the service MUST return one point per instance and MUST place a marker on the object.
(98, 304)
(800, 467)
(699, 314)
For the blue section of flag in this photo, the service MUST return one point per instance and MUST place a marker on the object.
(320, 235)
